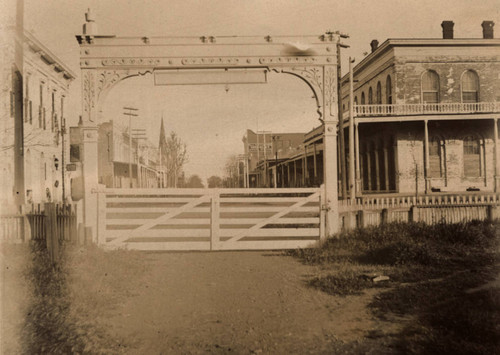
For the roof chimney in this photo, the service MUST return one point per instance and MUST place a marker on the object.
(447, 29)
(488, 29)
(374, 45)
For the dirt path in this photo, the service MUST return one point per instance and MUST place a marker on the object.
(235, 302)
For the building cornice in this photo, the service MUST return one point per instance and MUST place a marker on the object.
(50, 58)
(420, 42)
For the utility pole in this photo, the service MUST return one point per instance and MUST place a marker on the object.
(130, 113)
(63, 167)
(341, 126)
(352, 178)
(137, 135)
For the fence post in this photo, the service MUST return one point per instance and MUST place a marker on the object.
(385, 216)
(101, 218)
(26, 230)
(214, 220)
(322, 214)
(414, 214)
(492, 213)
(51, 231)
(361, 218)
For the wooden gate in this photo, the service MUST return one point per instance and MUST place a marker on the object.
(209, 219)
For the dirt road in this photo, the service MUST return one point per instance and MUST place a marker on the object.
(235, 302)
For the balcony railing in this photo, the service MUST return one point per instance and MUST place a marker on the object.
(424, 109)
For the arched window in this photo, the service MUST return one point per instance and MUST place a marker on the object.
(370, 96)
(470, 87)
(436, 154)
(362, 98)
(379, 93)
(472, 156)
(356, 100)
(430, 87)
(388, 90)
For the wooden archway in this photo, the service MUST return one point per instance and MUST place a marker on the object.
(106, 60)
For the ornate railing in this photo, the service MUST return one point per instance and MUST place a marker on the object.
(422, 109)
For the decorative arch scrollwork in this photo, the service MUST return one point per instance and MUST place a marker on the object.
(322, 81)
(98, 83)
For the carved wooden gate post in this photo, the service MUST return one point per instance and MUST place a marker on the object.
(330, 121)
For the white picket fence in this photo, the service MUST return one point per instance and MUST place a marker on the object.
(430, 209)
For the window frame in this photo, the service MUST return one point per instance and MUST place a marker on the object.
(477, 82)
(424, 91)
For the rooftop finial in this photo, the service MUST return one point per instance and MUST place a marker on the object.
(89, 17)
(89, 27)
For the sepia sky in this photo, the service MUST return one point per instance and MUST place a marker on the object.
(210, 120)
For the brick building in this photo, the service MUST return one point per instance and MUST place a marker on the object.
(426, 114)
(264, 151)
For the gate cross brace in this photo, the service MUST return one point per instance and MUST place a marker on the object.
(273, 218)
(163, 218)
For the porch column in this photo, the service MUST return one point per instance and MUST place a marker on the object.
(358, 162)
(497, 155)
(426, 158)
(315, 164)
(369, 170)
(386, 167)
(295, 173)
(306, 171)
(377, 169)
(288, 173)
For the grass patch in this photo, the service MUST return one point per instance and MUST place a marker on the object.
(69, 303)
(432, 270)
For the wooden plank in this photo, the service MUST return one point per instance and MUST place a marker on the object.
(273, 232)
(173, 221)
(160, 219)
(165, 246)
(260, 199)
(153, 209)
(158, 233)
(206, 233)
(146, 199)
(282, 220)
(203, 191)
(267, 245)
(269, 209)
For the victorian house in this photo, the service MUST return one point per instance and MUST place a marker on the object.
(426, 115)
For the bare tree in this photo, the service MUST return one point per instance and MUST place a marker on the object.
(233, 170)
(174, 158)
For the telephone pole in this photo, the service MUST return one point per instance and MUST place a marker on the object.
(130, 113)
